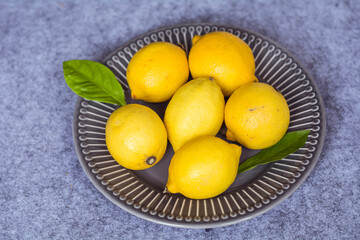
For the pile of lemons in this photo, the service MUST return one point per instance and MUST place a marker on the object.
(221, 65)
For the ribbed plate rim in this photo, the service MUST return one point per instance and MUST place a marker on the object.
(220, 223)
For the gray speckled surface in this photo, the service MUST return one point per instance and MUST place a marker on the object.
(44, 192)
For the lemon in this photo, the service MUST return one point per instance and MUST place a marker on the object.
(135, 136)
(156, 71)
(256, 115)
(196, 109)
(223, 56)
(203, 167)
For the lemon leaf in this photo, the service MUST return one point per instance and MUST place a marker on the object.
(290, 143)
(93, 81)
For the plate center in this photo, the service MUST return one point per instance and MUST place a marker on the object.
(157, 175)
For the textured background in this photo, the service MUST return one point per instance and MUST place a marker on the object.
(44, 192)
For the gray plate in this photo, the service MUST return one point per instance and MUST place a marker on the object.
(253, 192)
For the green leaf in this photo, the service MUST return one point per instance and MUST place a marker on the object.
(290, 143)
(93, 81)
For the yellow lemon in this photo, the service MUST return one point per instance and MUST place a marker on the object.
(223, 56)
(256, 115)
(135, 136)
(203, 167)
(156, 71)
(196, 109)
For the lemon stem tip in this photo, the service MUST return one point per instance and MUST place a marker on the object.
(151, 160)
(166, 190)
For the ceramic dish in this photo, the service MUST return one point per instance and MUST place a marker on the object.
(253, 192)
